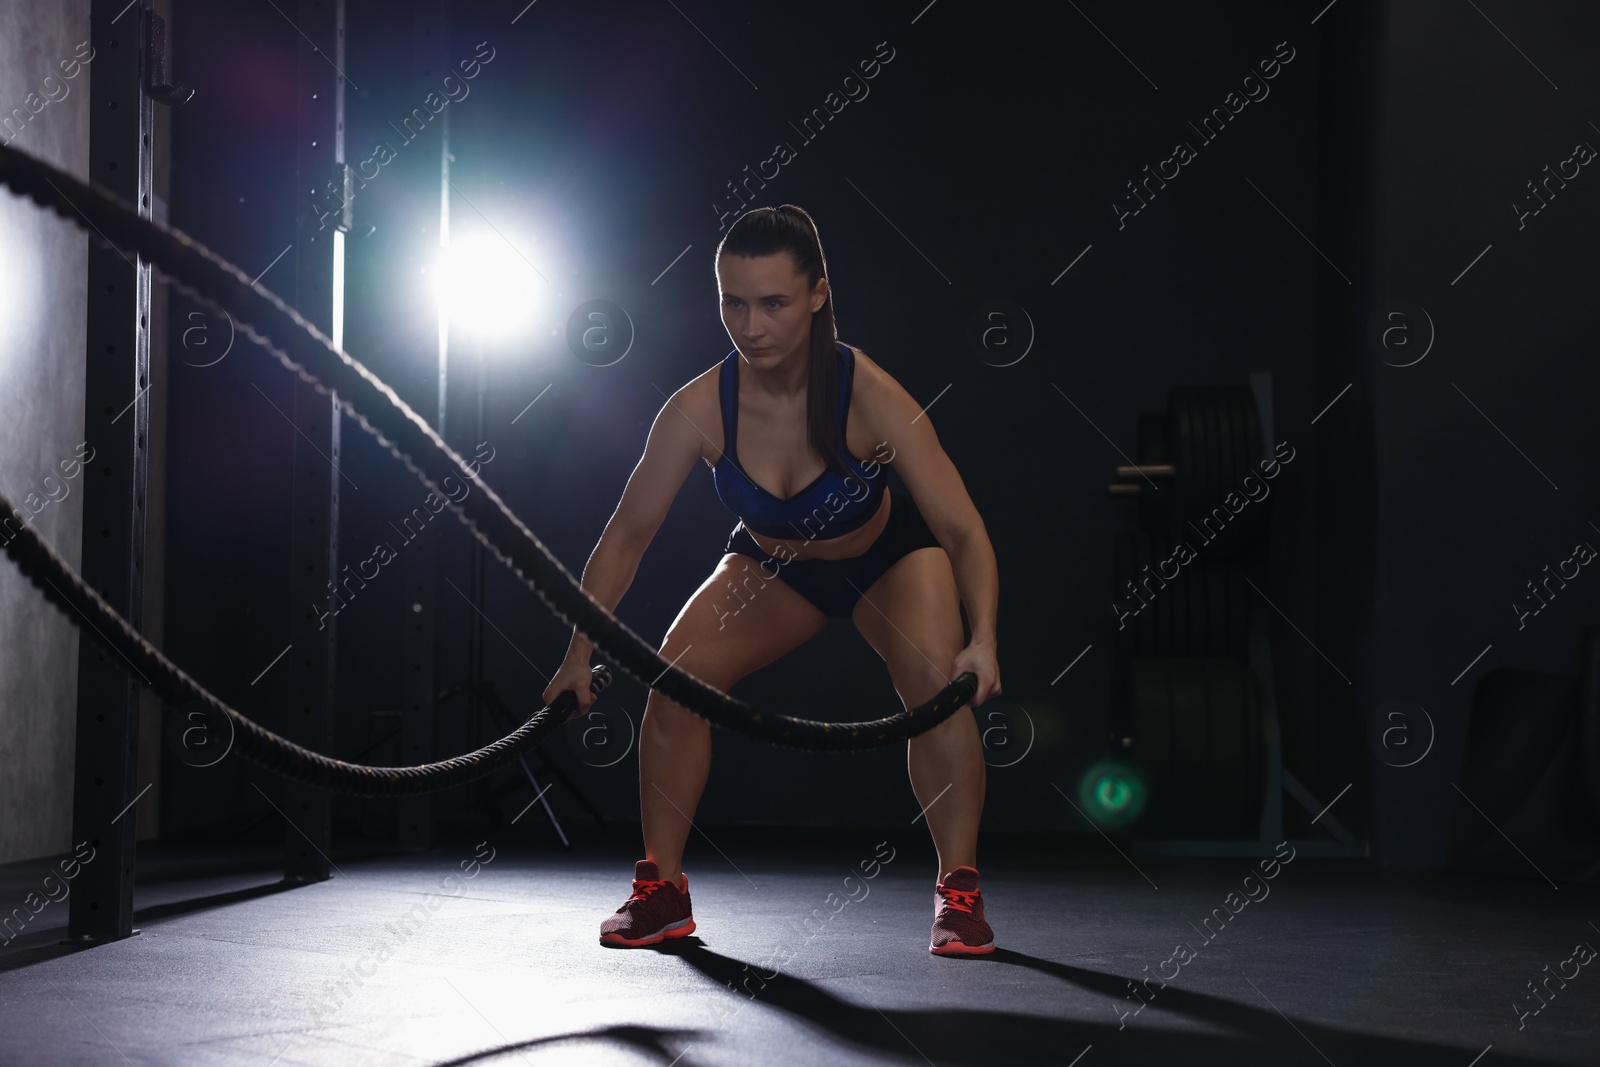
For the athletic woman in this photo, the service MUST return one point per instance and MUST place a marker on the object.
(823, 534)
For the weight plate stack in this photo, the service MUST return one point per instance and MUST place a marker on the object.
(1241, 598)
(1124, 633)
(1196, 725)
(1157, 504)
(1249, 527)
(1166, 592)
(1216, 579)
(1166, 617)
(1184, 444)
(1177, 593)
(1197, 608)
(1213, 437)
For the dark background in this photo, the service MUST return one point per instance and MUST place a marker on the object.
(996, 140)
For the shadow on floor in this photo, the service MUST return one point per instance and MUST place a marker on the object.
(40, 946)
(156, 912)
(45, 944)
(979, 1038)
(647, 1041)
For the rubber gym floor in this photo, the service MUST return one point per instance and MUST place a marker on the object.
(796, 963)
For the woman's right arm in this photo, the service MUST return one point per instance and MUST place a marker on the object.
(670, 452)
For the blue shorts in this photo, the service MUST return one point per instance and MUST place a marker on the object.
(832, 584)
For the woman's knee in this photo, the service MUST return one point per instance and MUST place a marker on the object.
(926, 681)
(661, 712)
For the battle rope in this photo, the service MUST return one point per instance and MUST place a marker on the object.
(39, 562)
(207, 278)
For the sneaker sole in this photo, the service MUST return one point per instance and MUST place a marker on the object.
(682, 928)
(957, 948)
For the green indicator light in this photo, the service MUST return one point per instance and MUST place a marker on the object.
(1112, 794)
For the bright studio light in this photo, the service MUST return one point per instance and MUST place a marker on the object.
(486, 287)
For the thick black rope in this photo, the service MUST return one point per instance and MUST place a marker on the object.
(267, 320)
(67, 591)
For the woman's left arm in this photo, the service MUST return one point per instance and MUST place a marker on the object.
(942, 498)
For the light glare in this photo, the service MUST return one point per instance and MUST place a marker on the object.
(486, 287)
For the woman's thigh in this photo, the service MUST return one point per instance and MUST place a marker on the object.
(737, 622)
(911, 616)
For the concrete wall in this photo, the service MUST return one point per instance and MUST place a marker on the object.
(42, 303)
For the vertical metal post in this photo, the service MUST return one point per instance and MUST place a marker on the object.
(475, 640)
(415, 814)
(314, 553)
(116, 426)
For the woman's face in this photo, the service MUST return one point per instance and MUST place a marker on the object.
(767, 306)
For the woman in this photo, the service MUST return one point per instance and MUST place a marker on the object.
(839, 543)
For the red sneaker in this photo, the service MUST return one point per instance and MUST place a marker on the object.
(657, 910)
(958, 926)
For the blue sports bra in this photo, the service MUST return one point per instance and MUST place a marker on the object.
(831, 506)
